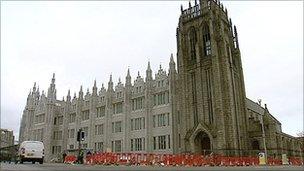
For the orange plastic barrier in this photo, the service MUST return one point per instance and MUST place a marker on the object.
(295, 161)
(70, 159)
(175, 160)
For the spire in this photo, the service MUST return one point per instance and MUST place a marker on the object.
(94, 88)
(55, 94)
(69, 96)
(80, 93)
(29, 95)
(34, 87)
(236, 38)
(149, 67)
(88, 91)
(37, 93)
(53, 79)
(74, 95)
(182, 8)
(195, 2)
(128, 74)
(148, 72)
(128, 78)
(119, 80)
(172, 65)
(110, 84)
(52, 89)
(171, 58)
(189, 4)
(138, 75)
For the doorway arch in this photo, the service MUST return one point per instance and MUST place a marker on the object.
(202, 143)
(255, 145)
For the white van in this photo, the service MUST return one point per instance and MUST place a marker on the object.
(31, 151)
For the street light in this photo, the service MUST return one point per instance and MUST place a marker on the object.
(263, 132)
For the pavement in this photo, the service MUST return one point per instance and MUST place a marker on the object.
(76, 167)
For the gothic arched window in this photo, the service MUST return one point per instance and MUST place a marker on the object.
(192, 40)
(206, 41)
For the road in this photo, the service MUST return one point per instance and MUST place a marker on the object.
(68, 167)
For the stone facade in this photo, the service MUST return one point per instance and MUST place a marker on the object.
(6, 138)
(199, 106)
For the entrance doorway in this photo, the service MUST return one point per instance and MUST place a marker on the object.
(202, 144)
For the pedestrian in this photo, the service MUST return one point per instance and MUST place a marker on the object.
(63, 156)
(81, 157)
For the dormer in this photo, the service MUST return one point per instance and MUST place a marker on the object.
(102, 94)
(119, 89)
(161, 78)
(139, 85)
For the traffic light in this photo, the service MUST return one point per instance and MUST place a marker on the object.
(80, 135)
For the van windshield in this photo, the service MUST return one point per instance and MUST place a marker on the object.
(33, 145)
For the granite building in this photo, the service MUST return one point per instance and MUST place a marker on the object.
(199, 106)
(6, 138)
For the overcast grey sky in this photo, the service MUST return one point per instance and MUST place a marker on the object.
(81, 41)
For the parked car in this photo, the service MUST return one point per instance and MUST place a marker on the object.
(32, 151)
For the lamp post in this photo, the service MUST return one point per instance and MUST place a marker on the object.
(263, 133)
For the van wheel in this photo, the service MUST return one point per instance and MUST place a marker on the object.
(21, 161)
(41, 162)
(33, 162)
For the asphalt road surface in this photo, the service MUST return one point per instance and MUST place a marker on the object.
(69, 167)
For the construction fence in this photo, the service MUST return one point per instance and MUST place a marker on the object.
(177, 160)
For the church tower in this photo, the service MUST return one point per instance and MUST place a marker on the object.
(211, 89)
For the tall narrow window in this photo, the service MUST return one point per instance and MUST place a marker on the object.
(193, 82)
(192, 41)
(206, 41)
(209, 96)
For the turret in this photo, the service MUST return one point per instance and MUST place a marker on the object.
(148, 73)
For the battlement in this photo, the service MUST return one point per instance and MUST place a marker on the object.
(201, 8)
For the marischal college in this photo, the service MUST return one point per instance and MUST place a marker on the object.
(198, 106)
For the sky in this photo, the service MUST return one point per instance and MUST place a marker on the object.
(81, 41)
